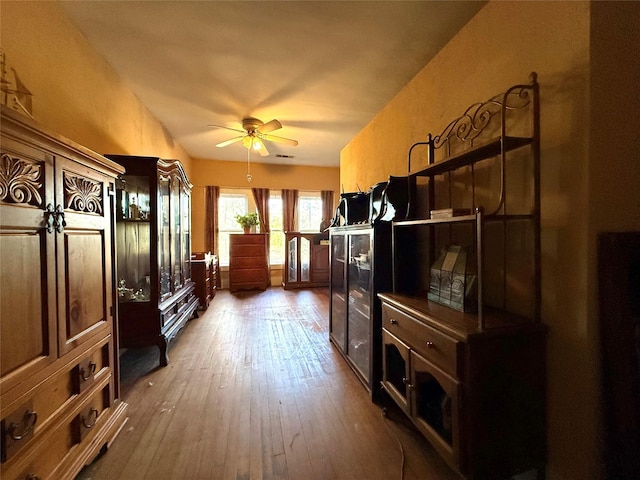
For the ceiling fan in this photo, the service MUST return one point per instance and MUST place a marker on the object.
(254, 133)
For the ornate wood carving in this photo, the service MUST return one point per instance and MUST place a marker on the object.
(20, 181)
(82, 194)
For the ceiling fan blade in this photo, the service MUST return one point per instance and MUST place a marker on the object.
(270, 126)
(287, 141)
(227, 128)
(230, 141)
(263, 150)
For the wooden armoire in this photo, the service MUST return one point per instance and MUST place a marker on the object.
(59, 391)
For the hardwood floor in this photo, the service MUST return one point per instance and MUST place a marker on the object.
(254, 390)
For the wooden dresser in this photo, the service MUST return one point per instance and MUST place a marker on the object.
(204, 270)
(59, 389)
(248, 261)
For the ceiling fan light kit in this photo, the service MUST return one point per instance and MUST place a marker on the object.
(254, 134)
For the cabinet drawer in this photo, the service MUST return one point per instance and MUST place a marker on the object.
(91, 367)
(237, 263)
(44, 459)
(246, 251)
(435, 346)
(248, 275)
(247, 239)
(41, 406)
(26, 421)
(89, 416)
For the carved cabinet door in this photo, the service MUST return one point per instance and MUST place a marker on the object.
(27, 262)
(84, 252)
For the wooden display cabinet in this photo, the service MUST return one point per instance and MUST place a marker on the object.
(155, 292)
(306, 262)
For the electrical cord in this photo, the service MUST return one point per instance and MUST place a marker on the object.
(384, 415)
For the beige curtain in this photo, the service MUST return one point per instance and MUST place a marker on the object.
(289, 204)
(327, 208)
(211, 233)
(261, 197)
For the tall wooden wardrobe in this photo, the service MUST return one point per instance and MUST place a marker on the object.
(59, 390)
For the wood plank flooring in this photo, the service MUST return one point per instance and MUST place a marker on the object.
(255, 391)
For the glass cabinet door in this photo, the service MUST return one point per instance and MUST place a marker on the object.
(185, 224)
(305, 259)
(133, 235)
(434, 403)
(164, 237)
(359, 300)
(292, 252)
(176, 241)
(338, 290)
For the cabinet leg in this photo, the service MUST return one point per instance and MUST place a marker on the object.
(163, 345)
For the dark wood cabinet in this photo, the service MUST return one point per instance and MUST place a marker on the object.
(59, 381)
(463, 346)
(619, 324)
(204, 269)
(360, 269)
(248, 261)
(156, 295)
(306, 261)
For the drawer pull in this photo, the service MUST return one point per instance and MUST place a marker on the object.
(430, 344)
(393, 321)
(18, 431)
(91, 370)
(91, 419)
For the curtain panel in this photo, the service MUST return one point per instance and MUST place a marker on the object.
(327, 208)
(289, 204)
(212, 195)
(261, 197)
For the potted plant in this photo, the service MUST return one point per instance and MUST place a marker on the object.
(247, 221)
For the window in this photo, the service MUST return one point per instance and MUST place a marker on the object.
(276, 238)
(229, 205)
(309, 212)
(240, 201)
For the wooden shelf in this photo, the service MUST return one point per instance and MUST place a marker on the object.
(481, 152)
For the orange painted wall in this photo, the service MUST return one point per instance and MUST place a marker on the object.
(590, 174)
(75, 92)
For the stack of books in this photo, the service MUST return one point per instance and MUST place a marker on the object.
(449, 212)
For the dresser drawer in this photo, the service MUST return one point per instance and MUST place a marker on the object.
(239, 263)
(435, 346)
(91, 367)
(247, 251)
(44, 458)
(42, 405)
(248, 239)
(24, 422)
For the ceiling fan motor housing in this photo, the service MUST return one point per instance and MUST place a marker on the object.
(251, 124)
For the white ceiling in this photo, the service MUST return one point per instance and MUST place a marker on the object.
(322, 68)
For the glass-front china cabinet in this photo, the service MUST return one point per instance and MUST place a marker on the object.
(360, 269)
(156, 295)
